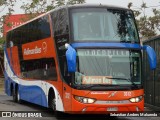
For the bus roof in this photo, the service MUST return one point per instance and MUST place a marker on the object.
(73, 6)
(95, 5)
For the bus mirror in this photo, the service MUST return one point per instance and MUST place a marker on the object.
(71, 58)
(151, 56)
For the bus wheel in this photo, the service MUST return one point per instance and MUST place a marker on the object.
(18, 97)
(53, 106)
(14, 95)
(53, 103)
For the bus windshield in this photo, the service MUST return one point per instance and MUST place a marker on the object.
(108, 67)
(101, 24)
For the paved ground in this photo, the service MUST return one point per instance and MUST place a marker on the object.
(6, 104)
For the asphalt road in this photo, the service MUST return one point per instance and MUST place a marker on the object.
(6, 104)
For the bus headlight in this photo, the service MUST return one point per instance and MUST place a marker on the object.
(136, 99)
(84, 100)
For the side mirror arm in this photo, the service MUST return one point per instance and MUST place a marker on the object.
(151, 56)
(71, 58)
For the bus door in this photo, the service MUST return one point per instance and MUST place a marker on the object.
(67, 94)
(67, 91)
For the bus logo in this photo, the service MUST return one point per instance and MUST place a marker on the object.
(28, 51)
(44, 47)
(112, 94)
(37, 49)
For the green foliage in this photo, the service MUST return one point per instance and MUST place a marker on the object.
(36, 7)
(130, 5)
(2, 41)
(9, 24)
(148, 26)
(9, 4)
(2, 2)
(59, 2)
(41, 6)
(72, 2)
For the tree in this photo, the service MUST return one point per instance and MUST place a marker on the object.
(9, 4)
(72, 2)
(2, 2)
(37, 7)
(59, 2)
(148, 26)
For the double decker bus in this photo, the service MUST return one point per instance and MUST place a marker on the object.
(80, 58)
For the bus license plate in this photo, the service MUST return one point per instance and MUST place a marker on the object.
(112, 109)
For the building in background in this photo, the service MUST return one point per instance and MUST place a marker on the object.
(152, 77)
(12, 21)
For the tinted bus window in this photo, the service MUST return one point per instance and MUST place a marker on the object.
(101, 24)
(60, 29)
(39, 29)
(60, 22)
(36, 30)
(43, 69)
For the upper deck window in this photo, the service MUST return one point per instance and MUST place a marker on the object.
(101, 24)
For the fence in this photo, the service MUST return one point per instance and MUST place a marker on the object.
(151, 78)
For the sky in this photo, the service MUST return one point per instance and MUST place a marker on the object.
(122, 3)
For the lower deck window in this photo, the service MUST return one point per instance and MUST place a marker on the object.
(43, 69)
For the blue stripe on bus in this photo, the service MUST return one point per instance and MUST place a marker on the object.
(7, 84)
(33, 94)
(27, 96)
(109, 45)
(5, 51)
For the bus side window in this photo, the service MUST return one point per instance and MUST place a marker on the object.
(45, 69)
(42, 69)
(44, 27)
(60, 22)
(51, 69)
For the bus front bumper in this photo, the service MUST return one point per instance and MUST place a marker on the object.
(102, 108)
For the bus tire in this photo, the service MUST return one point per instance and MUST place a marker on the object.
(53, 102)
(14, 95)
(18, 97)
(11, 89)
(57, 114)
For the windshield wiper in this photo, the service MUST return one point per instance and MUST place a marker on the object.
(99, 85)
(129, 80)
(126, 41)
